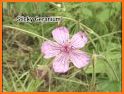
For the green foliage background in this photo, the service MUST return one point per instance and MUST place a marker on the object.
(25, 69)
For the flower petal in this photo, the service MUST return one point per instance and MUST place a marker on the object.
(60, 34)
(61, 63)
(79, 58)
(79, 40)
(50, 49)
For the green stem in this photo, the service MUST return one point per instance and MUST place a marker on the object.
(25, 31)
(93, 80)
(107, 35)
(69, 80)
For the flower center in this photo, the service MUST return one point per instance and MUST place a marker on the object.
(66, 48)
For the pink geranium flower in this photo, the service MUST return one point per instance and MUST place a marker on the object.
(66, 50)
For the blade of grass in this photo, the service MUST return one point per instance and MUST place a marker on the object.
(107, 61)
(16, 75)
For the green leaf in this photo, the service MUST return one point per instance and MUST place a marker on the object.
(25, 8)
(109, 86)
(103, 15)
(86, 13)
(4, 5)
(99, 67)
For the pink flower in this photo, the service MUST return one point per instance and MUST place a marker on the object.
(66, 50)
